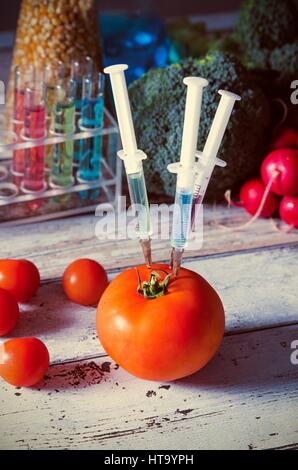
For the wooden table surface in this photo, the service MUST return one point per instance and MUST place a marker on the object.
(245, 398)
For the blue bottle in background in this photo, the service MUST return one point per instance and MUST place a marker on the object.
(138, 40)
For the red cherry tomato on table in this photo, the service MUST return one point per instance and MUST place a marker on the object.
(23, 361)
(20, 277)
(84, 281)
(9, 312)
(162, 338)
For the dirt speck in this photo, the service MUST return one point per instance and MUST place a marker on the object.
(184, 412)
(106, 367)
(165, 387)
(150, 393)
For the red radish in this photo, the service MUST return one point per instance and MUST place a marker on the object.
(288, 210)
(251, 195)
(285, 138)
(281, 168)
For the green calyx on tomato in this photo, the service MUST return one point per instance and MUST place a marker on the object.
(155, 287)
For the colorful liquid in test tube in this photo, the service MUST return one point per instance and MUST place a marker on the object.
(53, 76)
(34, 128)
(22, 75)
(63, 124)
(91, 118)
(79, 70)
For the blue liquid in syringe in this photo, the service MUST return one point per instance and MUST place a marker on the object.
(91, 149)
(138, 196)
(181, 219)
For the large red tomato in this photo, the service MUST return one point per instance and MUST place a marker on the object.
(162, 338)
(20, 277)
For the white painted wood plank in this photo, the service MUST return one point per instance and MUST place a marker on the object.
(53, 245)
(257, 289)
(245, 398)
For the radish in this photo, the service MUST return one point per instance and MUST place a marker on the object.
(288, 211)
(285, 138)
(257, 199)
(252, 195)
(280, 170)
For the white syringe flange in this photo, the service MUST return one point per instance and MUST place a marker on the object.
(132, 163)
(130, 153)
(185, 169)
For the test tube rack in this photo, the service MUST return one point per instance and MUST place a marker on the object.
(18, 207)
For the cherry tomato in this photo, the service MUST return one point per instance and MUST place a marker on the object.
(165, 337)
(84, 281)
(20, 277)
(24, 361)
(9, 312)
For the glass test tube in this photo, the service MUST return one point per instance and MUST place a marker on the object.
(22, 75)
(54, 74)
(34, 128)
(63, 123)
(79, 69)
(91, 118)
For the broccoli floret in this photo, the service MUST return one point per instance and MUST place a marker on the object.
(158, 103)
(285, 59)
(264, 25)
(192, 39)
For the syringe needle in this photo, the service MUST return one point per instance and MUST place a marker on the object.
(146, 247)
(176, 260)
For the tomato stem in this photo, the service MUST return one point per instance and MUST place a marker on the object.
(155, 287)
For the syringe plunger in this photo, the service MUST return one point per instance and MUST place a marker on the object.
(123, 110)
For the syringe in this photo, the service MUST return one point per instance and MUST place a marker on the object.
(207, 160)
(186, 170)
(132, 157)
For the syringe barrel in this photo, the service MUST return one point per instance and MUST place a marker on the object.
(139, 201)
(182, 209)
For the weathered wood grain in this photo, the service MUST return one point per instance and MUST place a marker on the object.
(53, 245)
(258, 290)
(246, 398)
